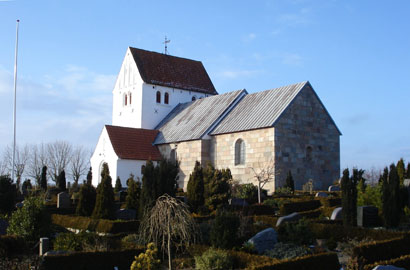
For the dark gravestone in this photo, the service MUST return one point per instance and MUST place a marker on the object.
(3, 226)
(337, 214)
(321, 194)
(333, 188)
(238, 202)
(289, 218)
(264, 240)
(126, 214)
(367, 216)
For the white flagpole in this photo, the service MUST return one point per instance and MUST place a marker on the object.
(15, 97)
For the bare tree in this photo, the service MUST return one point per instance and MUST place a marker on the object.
(265, 173)
(79, 163)
(373, 175)
(38, 159)
(168, 223)
(59, 155)
(21, 158)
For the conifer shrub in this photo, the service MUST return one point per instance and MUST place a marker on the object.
(288, 251)
(43, 178)
(147, 260)
(7, 194)
(118, 185)
(195, 188)
(213, 259)
(104, 204)
(248, 192)
(86, 200)
(392, 206)
(217, 187)
(61, 181)
(224, 230)
(349, 197)
(133, 195)
(289, 182)
(296, 232)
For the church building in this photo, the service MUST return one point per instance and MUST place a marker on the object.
(167, 107)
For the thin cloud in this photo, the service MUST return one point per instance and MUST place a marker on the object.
(249, 37)
(302, 17)
(292, 59)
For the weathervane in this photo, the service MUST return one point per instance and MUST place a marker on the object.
(166, 42)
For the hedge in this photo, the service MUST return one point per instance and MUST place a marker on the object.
(311, 213)
(256, 209)
(331, 202)
(269, 220)
(403, 261)
(91, 260)
(340, 232)
(370, 253)
(289, 208)
(328, 261)
(96, 225)
(11, 245)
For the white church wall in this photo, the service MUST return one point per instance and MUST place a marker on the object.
(129, 82)
(104, 152)
(153, 112)
(126, 167)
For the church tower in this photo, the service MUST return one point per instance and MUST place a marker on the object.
(149, 85)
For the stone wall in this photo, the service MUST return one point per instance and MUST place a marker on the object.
(259, 153)
(307, 143)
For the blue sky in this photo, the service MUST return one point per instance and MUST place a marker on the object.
(356, 54)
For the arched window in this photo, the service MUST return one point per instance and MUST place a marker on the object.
(130, 98)
(158, 97)
(309, 153)
(173, 156)
(125, 100)
(239, 152)
(166, 98)
(193, 98)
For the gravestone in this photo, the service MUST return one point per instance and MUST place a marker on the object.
(367, 216)
(3, 226)
(387, 267)
(321, 194)
(264, 240)
(126, 214)
(289, 218)
(333, 188)
(238, 202)
(44, 246)
(337, 214)
(63, 200)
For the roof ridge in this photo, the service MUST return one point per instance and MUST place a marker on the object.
(133, 48)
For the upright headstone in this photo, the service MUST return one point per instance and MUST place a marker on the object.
(367, 216)
(264, 240)
(387, 267)
(126, 214)
(333, 188)
(321, 194)
(44, 246)
(337, 214)
(63, 200)
(289, 218)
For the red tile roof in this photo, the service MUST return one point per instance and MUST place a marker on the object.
(171, 71)
(133, 143)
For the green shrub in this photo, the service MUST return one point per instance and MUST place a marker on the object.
(224, 230)
(296, 232)
(289, 208)
(133, 195)
(248, 192)
(287, 251)
(7, 194)
(82, 241)
(213, 259)
(31, 221)
(195, 188)
(147, 260)
(86, 201)
(104, 203)
(268, 220)
(271, 203)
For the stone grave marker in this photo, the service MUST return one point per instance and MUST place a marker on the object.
(238, 202)
(321, 194)
(126, 214)
(63, 200)
(337, 214)
(367, 216)
(264, 240)
(333, 188)
(44, 246)
(289, 218)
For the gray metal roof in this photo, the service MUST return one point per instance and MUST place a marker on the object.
(259, 110)
(192, 120)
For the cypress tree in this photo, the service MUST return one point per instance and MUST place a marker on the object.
(7, 194)
(392, 206)
(195, 188)
(86, 201)
(104, 204)
(217, 186)
(401, 170)
(61, 181)
(349, 197)
(90, 176)
(167, 178)
(118, 185)
(149, 188)
(43, 181)
(289, 181)
(133, 195)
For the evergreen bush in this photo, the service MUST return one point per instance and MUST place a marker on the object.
(147, 260)
(43, 179)
(213, 259)
(61, 181)
(86, 201)
(289, 182)
(118, 185)
(7, 194)
(104, 204)
(133, 195)
(224, 230)
(288, 251)
(296, 232)
(195, 188)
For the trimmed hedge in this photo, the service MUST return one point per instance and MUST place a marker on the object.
(91, 260)
(328, 261)
(311, 213)
(256, 209)
(370, 253)
(269, 220)
(95, 225)
(11, 245)
(331, 202)
(289, 208)
(403, 261)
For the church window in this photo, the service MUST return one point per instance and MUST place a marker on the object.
(125, 100)
(173, 156)
(239, 152)
(158, 97)
(309, 153)
(130, 98)
(193, 98)
(166, 98)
